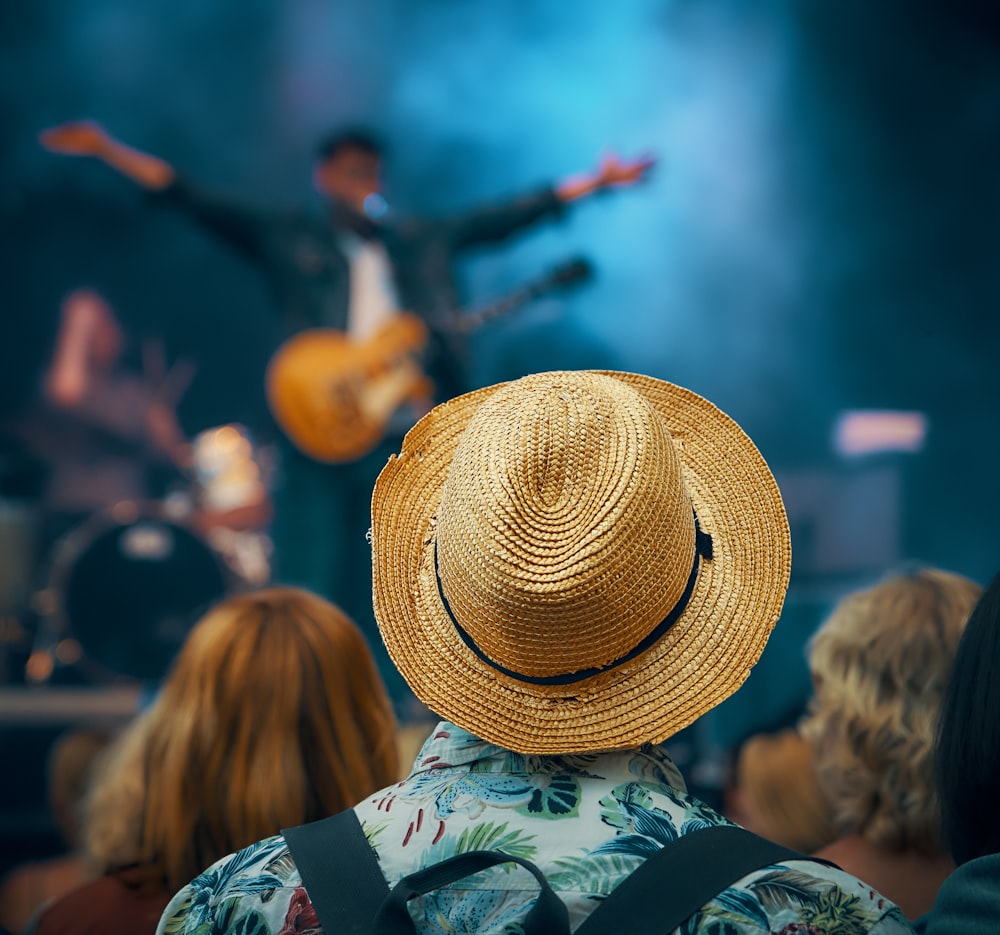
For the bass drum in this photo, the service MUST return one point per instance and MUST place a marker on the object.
(128, 586)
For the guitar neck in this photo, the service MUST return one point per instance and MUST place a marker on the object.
(571, 273)
(469, 321)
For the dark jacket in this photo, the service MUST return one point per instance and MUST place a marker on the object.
(969, 901)
(301, 256)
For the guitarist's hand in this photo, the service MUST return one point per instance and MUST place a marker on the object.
(613, 172)
(86, 138)
(82, 138)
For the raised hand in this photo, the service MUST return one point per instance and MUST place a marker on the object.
(614, 171)
(86, 138)
(80, 138)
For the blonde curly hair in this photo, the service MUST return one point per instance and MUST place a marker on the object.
(880, 665)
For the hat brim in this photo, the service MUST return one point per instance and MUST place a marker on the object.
(704, 657)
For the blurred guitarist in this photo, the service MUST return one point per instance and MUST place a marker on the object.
(350, 270)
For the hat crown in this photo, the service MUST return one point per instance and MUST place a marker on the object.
(565, 532)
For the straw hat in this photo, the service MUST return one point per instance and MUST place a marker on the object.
(577, 561)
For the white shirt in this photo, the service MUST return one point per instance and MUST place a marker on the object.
(373, 300)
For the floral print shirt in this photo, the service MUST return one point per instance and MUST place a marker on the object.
(586, 820)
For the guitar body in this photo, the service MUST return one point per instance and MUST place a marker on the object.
(333, 396)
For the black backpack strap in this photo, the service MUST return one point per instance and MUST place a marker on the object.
(339, 871)
(673, 884)
(349, 893)
(345, 884)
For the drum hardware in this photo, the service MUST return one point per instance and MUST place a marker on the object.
(123, 590)
(19, 535)
(231, 502)
(15, 645)
(43, 661)
(247, 553)
(120, 591)
(229, 470)
(19, 545)
(12, 630)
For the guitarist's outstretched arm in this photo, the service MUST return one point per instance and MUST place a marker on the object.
(235, 224)
(497, 222)
(85, 138)
(613, 172)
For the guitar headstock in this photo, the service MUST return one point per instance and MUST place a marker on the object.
(575, 271)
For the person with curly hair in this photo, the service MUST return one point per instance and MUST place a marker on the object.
(880, 666)
(274, 714)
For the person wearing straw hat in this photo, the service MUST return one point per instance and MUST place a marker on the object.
(568, 569)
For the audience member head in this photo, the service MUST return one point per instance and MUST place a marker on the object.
(880, 665)
(273, 715)
(968, 742)
(577, 561)
(777, 794)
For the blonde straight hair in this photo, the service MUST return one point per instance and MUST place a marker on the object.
(273, 715)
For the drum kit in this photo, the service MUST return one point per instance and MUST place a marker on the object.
(113, 598)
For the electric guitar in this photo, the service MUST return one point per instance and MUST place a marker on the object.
(333, 396)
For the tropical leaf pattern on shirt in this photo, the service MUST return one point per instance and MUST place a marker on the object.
(456, 912)
(253, 923)
(837, 911)
(613, 804)
(557, 798)
(586, 824)
(699, 924)
(781, 887)
(211, 892)
(643, 830)
(281, 865)
(696, 824)
(738, 906)
(492, 837)
(594, 874)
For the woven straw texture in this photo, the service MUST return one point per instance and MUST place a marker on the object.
(557, 510)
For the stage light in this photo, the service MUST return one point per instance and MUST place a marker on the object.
(879, 431)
